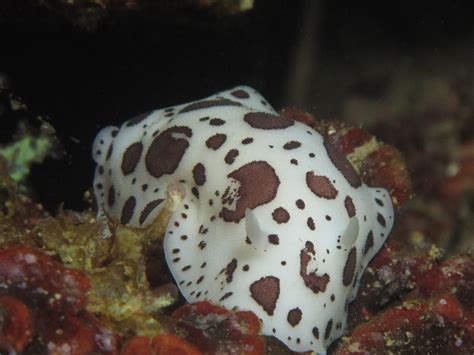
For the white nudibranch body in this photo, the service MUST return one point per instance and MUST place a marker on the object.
(274, 220)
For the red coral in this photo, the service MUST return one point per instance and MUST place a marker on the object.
(16, 323)
(427, 325)
(42, 299)
(29, 273)
(213, 329)
(160, 344)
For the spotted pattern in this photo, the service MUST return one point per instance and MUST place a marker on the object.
(321, 186)
(231, 156)
(292, 145)
(265, 120)
(199, 174)
(258, 185)
(294, 316)
(167, 150)
(149, 208)
(316, 283)
(216, 141)
(350, 208)
(349, 267)
(128, 210)
(137, 119)
(131, 157)
(266, 292)
(273, 239)
(200, 105)
(281, 215)
(240, 94)
(274, 218)
(342, 164)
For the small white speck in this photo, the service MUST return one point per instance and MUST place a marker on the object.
(30, 258)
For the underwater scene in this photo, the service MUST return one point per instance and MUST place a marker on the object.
(236, 177)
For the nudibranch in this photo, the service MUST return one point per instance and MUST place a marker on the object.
(274, 220)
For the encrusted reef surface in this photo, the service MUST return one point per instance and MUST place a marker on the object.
(65, 285)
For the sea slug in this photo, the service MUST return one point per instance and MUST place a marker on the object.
(274, 220)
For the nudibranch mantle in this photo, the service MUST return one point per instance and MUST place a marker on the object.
(274, 219)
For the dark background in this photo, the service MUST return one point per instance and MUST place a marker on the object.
(84, 80)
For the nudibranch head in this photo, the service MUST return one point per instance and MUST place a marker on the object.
(274, 219)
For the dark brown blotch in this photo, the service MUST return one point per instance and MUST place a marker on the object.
(273, 239)
(321, 186)
(131, 157)
(349, 267)
(342, 164)
(149, 208)
(294, 316)
(231, 155)
(291, 145)
(327, 332)
(258, 185)
(128, 210)
(266, 292)
(369, 242)
(230, 269)
(265, 120)
(216, 141)
(350, 208)
(167, 150)
(199, 174)
(137, 119)
(204, 104)
(240, 94)
(316, 283)
(280, 215)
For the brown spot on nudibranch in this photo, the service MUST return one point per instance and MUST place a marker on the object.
(342, 164)
(294, 316)
(316, 332)
(247, 140)
(167, 150)
(240, 94)
(231, 155)
(128, 209)
(109, 152)
(350, 208)
(216, 141)
(230, 269)
(280, 215)
(328, 330)
(199, 174)
(131, 157)
(349, 267)
(216, 122)
(300, 204)
(266, 292)
(313, 281)
(381, 220)
(226, 295)
(258, 185)
(321, 186)
(149, 208)
(369, 242)
(264, 120)
(111, 196)
(310, 223)
(291, 145)
(273, 239)
(208, 104)
(137, 119)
